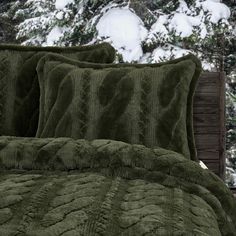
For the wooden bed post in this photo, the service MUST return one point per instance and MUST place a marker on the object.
(209, 121)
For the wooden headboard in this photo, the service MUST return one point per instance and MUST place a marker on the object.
(209, 121)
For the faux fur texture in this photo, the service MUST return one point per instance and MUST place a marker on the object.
(19, 88)
(149, 104)
(62, 186)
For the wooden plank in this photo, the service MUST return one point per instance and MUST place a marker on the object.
(214, 109)
(206, 120)
(209, 155)
(209, 121)
(207, 141)
(209, 76)
(200, 100)
(205, 88)
(206, 82)
(206, 130)
(213, 166)
(213, 95)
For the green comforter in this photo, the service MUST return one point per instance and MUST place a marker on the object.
(62, 186)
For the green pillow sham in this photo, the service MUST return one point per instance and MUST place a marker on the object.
(19, 88)
(149, 104)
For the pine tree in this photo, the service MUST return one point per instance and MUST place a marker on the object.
(7, 23)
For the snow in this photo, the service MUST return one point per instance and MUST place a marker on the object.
(183, 24)
(167, 52)
(202, 165)
(61, 4)
(158, 28)
(125, 30)
(81, 9)
(234, 179)
(54, 36)
(30, 25)
(60, 15)
(109, 6)
(234, 31)
(232, 174)
(120, 26)
(146, 58)
(183, 7)
(203, 32)
(208, 66)
(230, 170)
(217, 10)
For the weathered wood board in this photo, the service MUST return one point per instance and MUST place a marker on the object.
(209, 121)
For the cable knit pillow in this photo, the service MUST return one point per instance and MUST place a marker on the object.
(149, 104)
(19, 89)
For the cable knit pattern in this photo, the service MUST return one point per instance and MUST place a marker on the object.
(59, 185)
(105, 187)
(19, 87)
(145, 89)
(138, 104)
(3, 79)
(83, 104)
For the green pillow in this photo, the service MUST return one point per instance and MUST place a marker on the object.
(19, 88)
(149, 104)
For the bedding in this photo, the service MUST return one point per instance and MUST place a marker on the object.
(63, 186)
(19, 88)
(93, 185)
(149, 104)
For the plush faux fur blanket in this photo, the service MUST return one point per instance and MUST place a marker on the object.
(62, 186)
(69, 186)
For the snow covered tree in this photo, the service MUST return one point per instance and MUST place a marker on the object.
(158, 30)
(7, 24)
(230, 69)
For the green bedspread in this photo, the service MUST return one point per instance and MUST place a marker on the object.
(62, 186)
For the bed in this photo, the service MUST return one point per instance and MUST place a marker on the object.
(62, 181)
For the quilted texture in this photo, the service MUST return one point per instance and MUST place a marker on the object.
(148, 104)
(62, 186)
(19, 88)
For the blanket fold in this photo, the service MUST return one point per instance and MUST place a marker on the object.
(62, 186)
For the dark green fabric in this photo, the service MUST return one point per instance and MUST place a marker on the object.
(149, 104)
(62, 186)
(19, 89)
